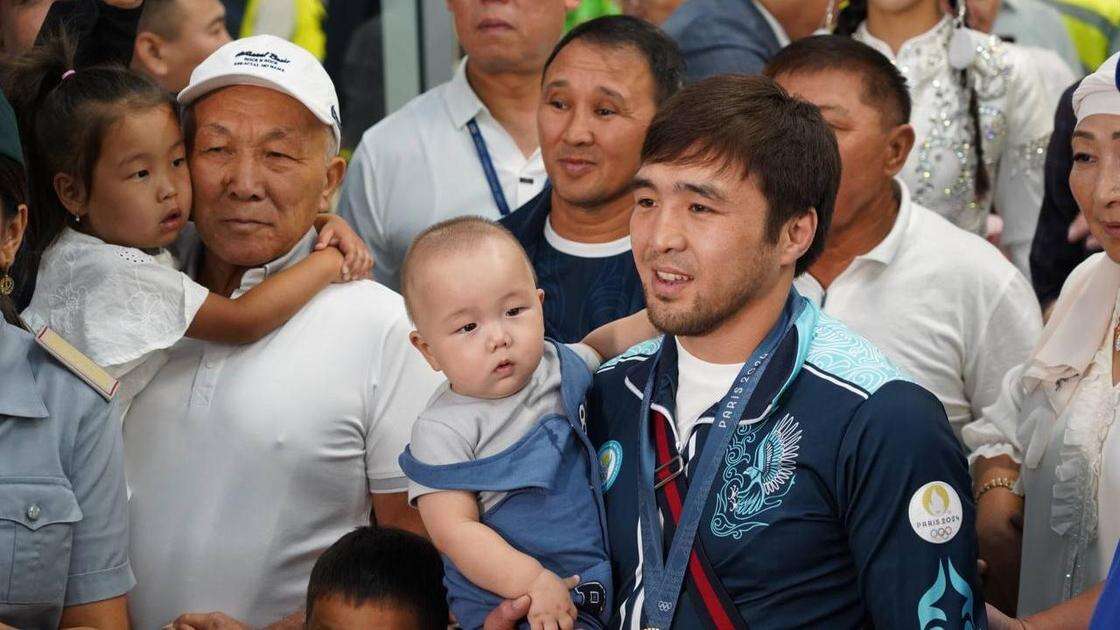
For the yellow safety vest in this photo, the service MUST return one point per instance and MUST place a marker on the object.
(1094, 27)
(307, 25)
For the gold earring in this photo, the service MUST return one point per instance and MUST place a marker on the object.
(7, 284)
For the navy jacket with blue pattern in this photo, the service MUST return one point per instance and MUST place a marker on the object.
(814, 514)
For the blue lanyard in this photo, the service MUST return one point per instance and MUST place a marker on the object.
(488, 167)
(663, 576)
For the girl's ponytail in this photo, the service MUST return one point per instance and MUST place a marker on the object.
(64, 113)
(29, 83)
(850, 17)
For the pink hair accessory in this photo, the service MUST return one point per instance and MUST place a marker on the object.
(68, 74)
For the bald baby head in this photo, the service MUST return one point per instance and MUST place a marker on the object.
(435, 250)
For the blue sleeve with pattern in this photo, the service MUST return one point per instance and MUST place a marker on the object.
(904, 495)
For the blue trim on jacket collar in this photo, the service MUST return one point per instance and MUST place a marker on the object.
(784, 367)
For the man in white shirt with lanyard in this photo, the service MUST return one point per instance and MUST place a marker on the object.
(468, 146)
(247, 462)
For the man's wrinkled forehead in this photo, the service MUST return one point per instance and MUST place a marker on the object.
(253, 114)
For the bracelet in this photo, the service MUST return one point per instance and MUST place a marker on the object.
(996, 482)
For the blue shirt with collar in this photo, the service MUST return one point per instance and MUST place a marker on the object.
(580, 294)
(844, 502)
(63, 509)
(722, 37)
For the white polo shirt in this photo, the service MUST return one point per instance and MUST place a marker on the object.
(942, 303)
(247, 462)
(419, 166)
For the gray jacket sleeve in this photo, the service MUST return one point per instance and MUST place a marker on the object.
(99, 566)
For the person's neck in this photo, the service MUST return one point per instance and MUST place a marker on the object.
(861, 233)
(789, 15)
(511, 98)
(896, 28)
(736, 338)
(601, 224)
(219, 276)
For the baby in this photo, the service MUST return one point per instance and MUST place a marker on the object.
(501, 469)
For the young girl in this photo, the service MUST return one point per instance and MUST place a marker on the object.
(981, 114)
(110, 191)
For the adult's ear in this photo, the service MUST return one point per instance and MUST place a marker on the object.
(11, 234)
(899, 143)
(797, 237)
(336, 170)
(148, 57)
(72, 193)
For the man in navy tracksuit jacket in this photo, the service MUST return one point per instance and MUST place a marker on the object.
(837, 447)
(762, 465)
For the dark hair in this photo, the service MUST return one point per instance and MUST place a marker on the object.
(63, 122)
(848, 22)
(161, 17)
(884, 87)
(13, 192)
(662, 55)
(751, 123)
(383, 565)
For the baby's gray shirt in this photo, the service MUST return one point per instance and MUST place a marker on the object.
(456, 428)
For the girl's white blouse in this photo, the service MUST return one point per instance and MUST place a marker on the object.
(119, 305)
(1016, 118)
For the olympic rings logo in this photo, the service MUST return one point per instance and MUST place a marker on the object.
(942, 533)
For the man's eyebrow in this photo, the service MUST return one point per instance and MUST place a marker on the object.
(642, 182)
(834, 108)
(706, 191)
(611, 93)
(1088, 135)
(556, 83)
(216, 128)
(282, 133)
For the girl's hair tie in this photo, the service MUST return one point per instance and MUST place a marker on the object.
(68, 74)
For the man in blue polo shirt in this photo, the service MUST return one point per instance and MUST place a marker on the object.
(763, 466)
(602, 86)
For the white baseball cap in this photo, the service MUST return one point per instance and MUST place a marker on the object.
(270, 62)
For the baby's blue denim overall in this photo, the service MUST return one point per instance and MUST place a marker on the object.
(554, 509)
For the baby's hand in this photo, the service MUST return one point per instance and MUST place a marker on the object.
(336, 232)
(551, 606)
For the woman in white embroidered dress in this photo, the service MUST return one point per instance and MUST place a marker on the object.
(982, 116)
(110, 191)
(1053, 423)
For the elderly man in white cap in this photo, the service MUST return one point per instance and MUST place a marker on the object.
(246, 462)
(1053, 435)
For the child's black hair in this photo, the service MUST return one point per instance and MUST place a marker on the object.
(63, 117)
(383, 565)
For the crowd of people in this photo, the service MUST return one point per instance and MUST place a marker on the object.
(698, 314)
